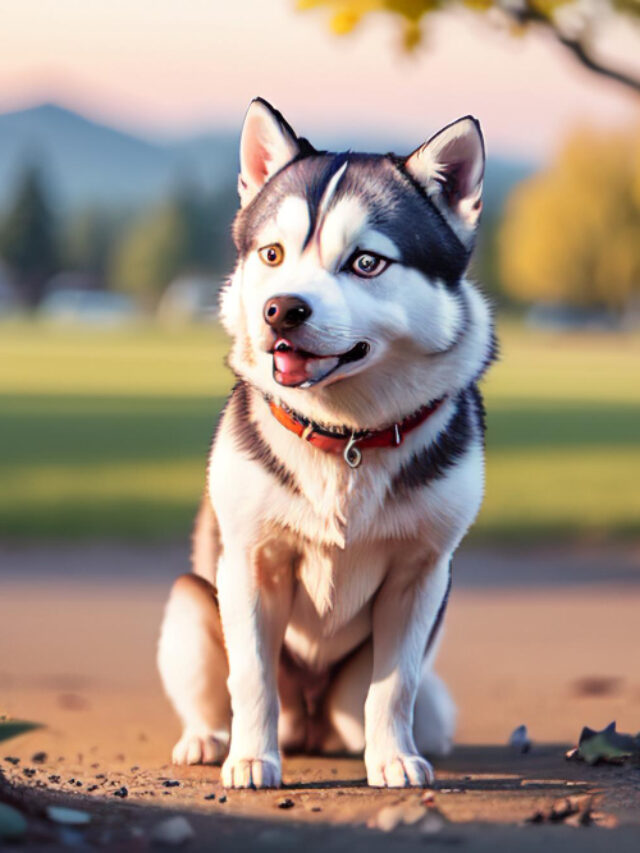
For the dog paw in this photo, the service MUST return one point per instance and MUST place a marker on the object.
(401, 771)
(200, 747)
(251, 772)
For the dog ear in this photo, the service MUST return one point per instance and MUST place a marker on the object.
(267, 144)
(450, 167)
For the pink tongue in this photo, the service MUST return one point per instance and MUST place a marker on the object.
(290, 366)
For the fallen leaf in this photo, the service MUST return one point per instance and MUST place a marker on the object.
(13, 728)
(607, 746)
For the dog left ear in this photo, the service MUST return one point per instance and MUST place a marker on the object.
(450, 167)
(268, 143)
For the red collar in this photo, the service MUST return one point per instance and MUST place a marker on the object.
(351, 444)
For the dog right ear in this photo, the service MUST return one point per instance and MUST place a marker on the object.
(268, 143)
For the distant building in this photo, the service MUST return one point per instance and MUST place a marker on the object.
(189, 298)
(88, 307)
(561, 317)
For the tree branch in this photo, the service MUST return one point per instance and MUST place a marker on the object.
(529, 14)
(579, 51)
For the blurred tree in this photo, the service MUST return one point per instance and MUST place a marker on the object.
(152, 252)
(574, 23)
(570, 234)
(88, 241)
(184, 233)
(27, 237)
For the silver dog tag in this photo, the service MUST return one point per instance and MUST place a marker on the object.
(352, 454)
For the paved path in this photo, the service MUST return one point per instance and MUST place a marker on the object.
(550, 639)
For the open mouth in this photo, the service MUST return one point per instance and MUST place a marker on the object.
(295, 367)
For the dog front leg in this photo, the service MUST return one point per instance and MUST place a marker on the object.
(254, 607)
(404, 614)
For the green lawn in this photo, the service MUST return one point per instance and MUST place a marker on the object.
(105, 433)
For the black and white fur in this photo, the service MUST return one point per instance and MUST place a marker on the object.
(313, 614)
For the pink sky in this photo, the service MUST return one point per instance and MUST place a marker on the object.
(178, 66)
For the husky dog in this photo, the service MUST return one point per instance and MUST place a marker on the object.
(347, 464)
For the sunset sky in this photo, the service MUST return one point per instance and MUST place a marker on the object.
(175, 67)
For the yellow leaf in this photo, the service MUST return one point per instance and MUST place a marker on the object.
(343, 22)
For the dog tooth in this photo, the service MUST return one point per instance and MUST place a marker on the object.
(320, 366)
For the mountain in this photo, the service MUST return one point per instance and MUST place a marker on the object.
(88, 163)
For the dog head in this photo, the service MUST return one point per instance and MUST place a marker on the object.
(348, 299)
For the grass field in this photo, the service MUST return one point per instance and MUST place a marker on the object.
(104, 433)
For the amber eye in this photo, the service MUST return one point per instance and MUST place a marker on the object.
(367, 264)
(272, 255)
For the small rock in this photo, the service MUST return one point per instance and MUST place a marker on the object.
(39, 757)
(286, 803)
(604, 820)
(12, 759)
(536, 817)
(387, 819)
(29, 772)
(209, 796)
(54, 778)
(431, 823)
(426, 819)
(171, 783)
(567, 806)
(172, 832)
(12, 823)
(68, 817)
(222, 798)
(519, 739)
(121, 792)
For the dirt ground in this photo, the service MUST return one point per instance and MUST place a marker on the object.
(549, 638)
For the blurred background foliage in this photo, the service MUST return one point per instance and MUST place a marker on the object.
(566, 236)
(570, 233)
(573, 23)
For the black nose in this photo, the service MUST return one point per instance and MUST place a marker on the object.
(286, 312)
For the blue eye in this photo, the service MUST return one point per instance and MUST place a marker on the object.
(368, 264)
